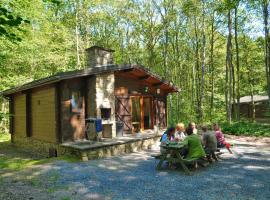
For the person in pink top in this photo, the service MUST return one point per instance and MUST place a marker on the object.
(221, 142)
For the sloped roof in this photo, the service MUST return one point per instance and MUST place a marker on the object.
(86, 72)
(256, 98)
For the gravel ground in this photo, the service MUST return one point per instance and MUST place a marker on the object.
(243, 175)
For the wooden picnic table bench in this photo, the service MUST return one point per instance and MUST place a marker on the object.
(175, 149)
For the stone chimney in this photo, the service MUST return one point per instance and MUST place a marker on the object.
(97, 56)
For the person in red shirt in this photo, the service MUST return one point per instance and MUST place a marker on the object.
(221, 142)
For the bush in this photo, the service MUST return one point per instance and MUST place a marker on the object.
(246, 128)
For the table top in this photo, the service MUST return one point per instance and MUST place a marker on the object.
(173, 145)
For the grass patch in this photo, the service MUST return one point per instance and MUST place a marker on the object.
(17, 163)
(4, 137)
(12, 158)
(246, 128)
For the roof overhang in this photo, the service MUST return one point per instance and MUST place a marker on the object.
(151, 79)
(133, 69)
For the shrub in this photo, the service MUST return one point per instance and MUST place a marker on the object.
(246, 128)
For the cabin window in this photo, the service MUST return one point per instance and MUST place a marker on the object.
(76, 102)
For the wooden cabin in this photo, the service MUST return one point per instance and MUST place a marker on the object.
(53, 110)
(260, 108)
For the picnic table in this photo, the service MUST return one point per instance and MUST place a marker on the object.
(173, 149)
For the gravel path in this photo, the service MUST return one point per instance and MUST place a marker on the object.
(244, 175)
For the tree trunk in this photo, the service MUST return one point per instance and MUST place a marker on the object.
(212, 66)
(253, 105)
(237, 63)
(251, 91)
(229, 70)
(77, 35)
(267, 45)
(203, 65)
(196, 71)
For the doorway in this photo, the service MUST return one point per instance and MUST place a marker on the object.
(141, 113)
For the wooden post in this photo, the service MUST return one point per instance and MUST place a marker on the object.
(152, 111)
(142, 113)
(85, 94)
(28, 114)
(85, 105)
(11, 116)
(58, 112)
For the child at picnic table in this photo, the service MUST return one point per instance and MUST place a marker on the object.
(221, 142)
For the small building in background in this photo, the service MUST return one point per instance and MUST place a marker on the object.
(54, 110)
(261, 108)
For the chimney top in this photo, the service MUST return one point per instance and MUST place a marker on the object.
(98, 56)
(99, 48)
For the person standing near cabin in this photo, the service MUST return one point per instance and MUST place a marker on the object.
(179, 134)
(192, 125)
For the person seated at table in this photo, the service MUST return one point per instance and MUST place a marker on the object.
(194, 145)
(192, 125)
(210, 143)
(167, 136)
(221, 142)
(180, 132)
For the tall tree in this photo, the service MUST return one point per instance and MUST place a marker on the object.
(265, 5)
(237, 61)
(229, 70)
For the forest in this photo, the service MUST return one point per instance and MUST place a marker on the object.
(216, 51)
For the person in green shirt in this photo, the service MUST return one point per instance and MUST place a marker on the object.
(194, 145)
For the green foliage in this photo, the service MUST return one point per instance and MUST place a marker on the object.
(8, 21)
(246, 128)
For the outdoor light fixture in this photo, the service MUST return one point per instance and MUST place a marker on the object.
(158, 90)
(146, 89)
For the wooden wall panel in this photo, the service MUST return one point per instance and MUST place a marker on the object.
(126, 85)
(43, 114)
(160, 113)
(20, 115)
(72, 124)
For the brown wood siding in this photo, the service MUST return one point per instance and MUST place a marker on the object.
(43, 114)
(135, 85)
(72, 124)
(260, 110)
(20, 115)
(160, 112)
